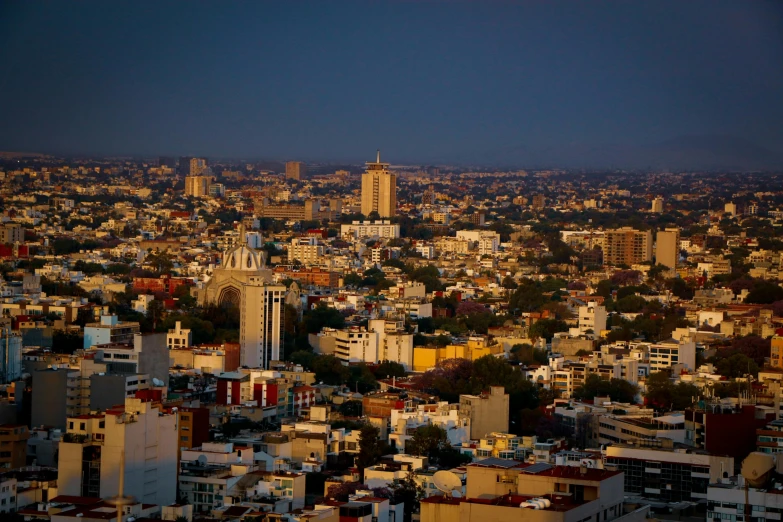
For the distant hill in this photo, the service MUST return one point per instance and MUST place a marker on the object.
(15, 155)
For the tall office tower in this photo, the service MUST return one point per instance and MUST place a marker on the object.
(626, 246)
(198, 166)
(196, 186)
(183, 165)
(657, 205)
(379, 189)
(295, 170)
(261, 322)
(667, 247)
(539, 201)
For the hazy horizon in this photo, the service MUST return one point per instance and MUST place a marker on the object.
(559, 84)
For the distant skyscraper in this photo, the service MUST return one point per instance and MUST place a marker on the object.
(626, 246)
(198, 166)
(183, 165)
(379, 189)
(295, 170)
(196, 186)
(539, 201)
(667, 247)
(657, 205)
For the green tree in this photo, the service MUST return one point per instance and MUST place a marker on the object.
(66, 341)
(409, 492)
(322, 316)
(663, 395)
(371, 448)
(547, 328)
(528, 297)
(330, 370)
(737, 365)
(388, 369)
(618, 390)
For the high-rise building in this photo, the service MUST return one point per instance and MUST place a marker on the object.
(667, 247)
(627, 246)
(261, 322)
(197, 166)
(295, 170)
(539, 202)
(137, 437)
(379, 189)
(196, 186)
(183, 165)
(657, 205)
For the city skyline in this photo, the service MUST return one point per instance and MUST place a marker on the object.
(507, 83)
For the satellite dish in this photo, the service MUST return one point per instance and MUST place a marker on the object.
(756, 468)
(157, 382)
(202, 460)
(447, 482)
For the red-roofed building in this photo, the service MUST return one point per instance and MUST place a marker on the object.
(164, 283)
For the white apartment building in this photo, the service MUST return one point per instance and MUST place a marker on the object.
(260, 332)
(667, 353)
(8, 496)
(427, 251)
(141, 304)
(306, 250)
(442, 414)
(356, 345)
(379, 228)
(475, 236)
(138, 438)
(456, 246)
(179, 337)
(592, 317)
(393, 342)
(109, 330)
(488, 245)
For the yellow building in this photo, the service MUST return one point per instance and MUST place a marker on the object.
(776, 355)
(425, 358)
(379, 189)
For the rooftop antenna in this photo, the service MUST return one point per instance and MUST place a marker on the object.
(121, 500)
(378, 160)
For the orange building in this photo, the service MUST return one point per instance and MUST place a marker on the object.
(776, 354)
(13, 445)
(314, 276)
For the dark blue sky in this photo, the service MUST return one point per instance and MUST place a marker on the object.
(424, 81)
